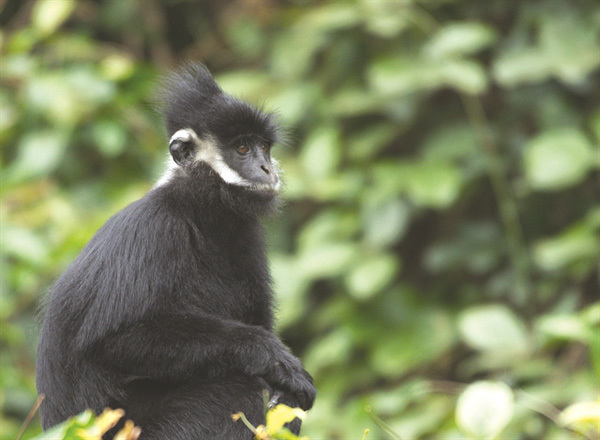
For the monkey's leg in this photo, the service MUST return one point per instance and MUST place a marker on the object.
(202, 410)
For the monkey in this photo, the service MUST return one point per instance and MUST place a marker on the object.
(167, 312)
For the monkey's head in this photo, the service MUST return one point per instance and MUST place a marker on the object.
(207, 127)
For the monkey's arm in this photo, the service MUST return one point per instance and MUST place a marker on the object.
(175, 346)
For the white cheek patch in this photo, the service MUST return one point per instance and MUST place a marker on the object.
(208, 152)
(277, 170)
(172, 169)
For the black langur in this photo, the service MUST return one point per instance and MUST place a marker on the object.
(167, 311)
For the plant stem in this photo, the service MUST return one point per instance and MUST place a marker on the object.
(507, 206)
(30, 416)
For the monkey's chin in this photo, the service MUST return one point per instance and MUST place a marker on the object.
(261, 201)
(265, 188)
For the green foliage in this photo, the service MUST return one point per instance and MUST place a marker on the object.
(440, 226)
(484, 409)
(88, 426)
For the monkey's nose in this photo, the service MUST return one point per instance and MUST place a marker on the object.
(265, 169)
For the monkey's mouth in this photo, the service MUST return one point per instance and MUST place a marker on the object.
(265, 187)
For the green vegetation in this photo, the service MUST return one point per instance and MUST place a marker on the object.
(437, 258)
(88, 426)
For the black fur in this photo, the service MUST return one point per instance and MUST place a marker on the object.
(167, 311)
(191, 98)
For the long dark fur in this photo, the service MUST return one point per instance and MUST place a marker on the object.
(167, 312)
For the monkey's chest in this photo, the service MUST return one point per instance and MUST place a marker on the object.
(231, 292)
(230, 276)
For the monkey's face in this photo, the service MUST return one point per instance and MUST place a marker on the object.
(244, 161)
(251, 158)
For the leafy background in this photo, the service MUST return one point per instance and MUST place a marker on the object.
(441, 220)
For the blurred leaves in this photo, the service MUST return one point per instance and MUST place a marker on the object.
(484, 409)
(404, 75)
(494, 330)
(48, 15)
(584, 417)
(39, 154)
(70, 97)
(400, 349)
(566, 47)
(371, 275)
(460, 39)
(321, 153)
(576, 245)
(558, 158)
(86, 426)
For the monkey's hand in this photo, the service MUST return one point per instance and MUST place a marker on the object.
(288, 375)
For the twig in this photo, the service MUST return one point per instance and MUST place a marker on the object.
(446, 386)
(507, 207)
(381, 423)
(540, 406)
(30, 417)
(241, 416)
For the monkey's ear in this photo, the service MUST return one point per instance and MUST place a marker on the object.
(182, 147)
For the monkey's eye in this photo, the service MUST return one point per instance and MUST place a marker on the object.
(265, 148)
(242, 149)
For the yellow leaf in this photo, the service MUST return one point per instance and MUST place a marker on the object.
(48, 15)
(86, 435)
(108, 419)
(582, 416)
(261, 433)
(117, 67)
(128, 432)
(280, 415)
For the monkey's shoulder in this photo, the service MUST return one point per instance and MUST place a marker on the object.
(146, 225)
